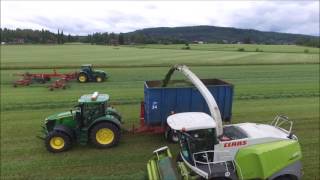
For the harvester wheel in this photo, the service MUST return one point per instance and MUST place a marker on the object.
(57, 141)
(171, 136)
(285, 178)
(99, 79)
(105, 135)
(82, 78)
(179, 158)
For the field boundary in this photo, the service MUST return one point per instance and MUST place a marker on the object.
(221, 49)
(150, 65)
(60, 104)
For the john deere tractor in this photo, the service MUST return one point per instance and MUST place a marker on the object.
(91, 121)
(88, 74)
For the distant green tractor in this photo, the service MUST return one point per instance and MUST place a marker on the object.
(88, 74)
(91, 121)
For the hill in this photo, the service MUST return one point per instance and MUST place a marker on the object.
(160, 35)
(214, 34)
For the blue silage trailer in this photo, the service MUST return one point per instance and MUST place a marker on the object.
(180, 96)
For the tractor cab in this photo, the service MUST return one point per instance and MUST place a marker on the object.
(86, 68)
(90, 107)
(197, 137)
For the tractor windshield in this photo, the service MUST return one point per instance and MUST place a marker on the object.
(86, 68)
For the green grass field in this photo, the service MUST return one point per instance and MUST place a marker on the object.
(49, 56)
(235, 47)
(282, 81)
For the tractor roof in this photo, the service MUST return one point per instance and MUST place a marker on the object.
(86, 65)
(189, 121)
(89, 98)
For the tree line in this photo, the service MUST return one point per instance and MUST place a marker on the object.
(28, 36)
(147, 36)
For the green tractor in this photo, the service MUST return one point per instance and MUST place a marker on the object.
(88, 74)
(91, 121)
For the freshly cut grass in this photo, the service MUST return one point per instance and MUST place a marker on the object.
(22, 152)
(35, 56)
(125, 85)
(262, 91)
(236, 47)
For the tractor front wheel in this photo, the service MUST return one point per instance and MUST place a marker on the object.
(99, 79)
(82, 78)
(105, 135)
(57, 142)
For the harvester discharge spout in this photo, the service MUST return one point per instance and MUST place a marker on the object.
(211, 102)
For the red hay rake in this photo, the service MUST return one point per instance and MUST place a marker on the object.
(30, 78)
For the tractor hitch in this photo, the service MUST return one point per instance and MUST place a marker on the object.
(44, 132)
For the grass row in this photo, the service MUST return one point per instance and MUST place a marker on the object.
(261, 92)
(24, 57)
(22, 153)
(236, 47)
(126, 85)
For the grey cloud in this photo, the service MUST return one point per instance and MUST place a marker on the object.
(117, 22)
(290, 18)
(281, 16)
(150, 6)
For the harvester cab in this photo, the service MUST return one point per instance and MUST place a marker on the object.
(88, 74)
(237, 151)
(91, 121)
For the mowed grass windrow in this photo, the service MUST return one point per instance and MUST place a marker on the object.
(277, 80)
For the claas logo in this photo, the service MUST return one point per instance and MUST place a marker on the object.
(235, 143)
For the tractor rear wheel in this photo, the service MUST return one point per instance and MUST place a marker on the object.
(99, 79)
(57, 141)
(105, 135)
(82, 78)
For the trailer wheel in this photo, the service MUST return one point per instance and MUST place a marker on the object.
(82, 78)
(57, 141)
(42, 81)
(171, 136)
(105, 135)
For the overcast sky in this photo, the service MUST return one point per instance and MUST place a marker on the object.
(83, 17)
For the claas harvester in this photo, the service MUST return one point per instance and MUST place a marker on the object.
(90, 121)
(210, 150)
